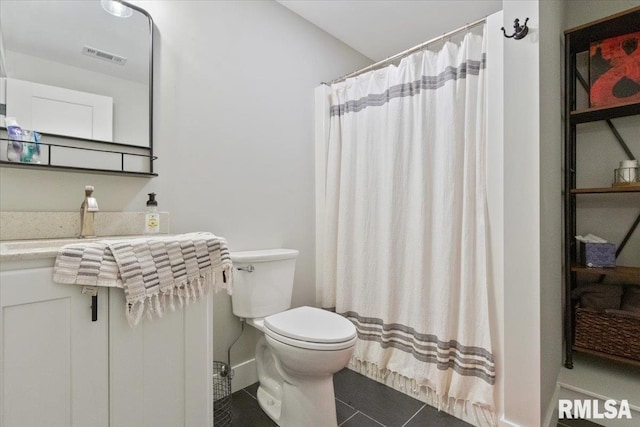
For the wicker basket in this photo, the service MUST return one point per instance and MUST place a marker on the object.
(612, 333)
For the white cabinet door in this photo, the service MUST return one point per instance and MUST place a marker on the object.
(53, 358)
(161, 369)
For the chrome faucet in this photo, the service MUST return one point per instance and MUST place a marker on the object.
(87, 213)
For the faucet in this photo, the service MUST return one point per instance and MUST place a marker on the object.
(87, 213)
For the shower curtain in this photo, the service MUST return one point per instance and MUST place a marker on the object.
(402, 224)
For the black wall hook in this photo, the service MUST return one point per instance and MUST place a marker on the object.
(519, 31)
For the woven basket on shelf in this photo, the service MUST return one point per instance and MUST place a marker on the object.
(612, 333)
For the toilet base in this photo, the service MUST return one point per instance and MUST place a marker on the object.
(310, 403)
(271, 405)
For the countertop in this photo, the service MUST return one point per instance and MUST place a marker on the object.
(24, 250)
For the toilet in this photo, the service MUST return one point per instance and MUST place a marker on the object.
(300, 348)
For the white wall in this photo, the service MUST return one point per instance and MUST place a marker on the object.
(522, 332)
(584, 11)
(233, 129)
(551, 15)
(533, 213)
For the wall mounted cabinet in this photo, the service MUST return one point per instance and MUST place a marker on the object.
(578, 41)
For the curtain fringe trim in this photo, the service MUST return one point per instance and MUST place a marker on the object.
(483, 415)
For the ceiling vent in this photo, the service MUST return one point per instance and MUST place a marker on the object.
(105, 56)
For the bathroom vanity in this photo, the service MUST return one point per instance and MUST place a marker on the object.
(61, 368)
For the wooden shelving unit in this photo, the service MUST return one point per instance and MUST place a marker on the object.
(631, 273)
(606, 356)
(625, 189)
(603, 113)
(578, 40)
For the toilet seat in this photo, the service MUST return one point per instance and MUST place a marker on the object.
(311, 328)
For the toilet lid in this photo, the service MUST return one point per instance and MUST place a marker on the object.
(312, 325)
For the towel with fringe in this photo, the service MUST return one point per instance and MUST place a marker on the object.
(156, 272)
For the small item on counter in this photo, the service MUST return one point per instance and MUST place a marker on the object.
(30, 146)
(152, 217)
(14, 146)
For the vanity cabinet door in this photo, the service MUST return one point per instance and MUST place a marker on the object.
(53, 358)
(161, 370)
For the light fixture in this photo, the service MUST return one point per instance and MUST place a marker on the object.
(116, 8)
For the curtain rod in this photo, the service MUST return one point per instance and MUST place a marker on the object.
(406, 52)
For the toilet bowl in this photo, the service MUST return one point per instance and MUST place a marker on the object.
(300, 349)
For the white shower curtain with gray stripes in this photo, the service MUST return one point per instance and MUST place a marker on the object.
(403, 248)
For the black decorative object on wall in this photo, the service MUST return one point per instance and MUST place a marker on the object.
(519, 32)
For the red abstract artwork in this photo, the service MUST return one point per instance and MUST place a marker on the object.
(614, 68)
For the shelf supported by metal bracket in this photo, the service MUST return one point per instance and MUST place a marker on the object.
(629, 154)
(613, 129)
(623, 243)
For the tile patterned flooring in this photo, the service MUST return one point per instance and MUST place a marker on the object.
(577, 423)
(360, 402)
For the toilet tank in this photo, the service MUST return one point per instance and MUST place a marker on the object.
(262, 281)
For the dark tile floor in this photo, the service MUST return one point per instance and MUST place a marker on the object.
(577, 423)
(360, 402)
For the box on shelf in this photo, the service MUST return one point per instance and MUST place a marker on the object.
(598, 254)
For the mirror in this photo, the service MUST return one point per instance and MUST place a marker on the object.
(77, 47)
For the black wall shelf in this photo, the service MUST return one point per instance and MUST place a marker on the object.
(36, 166)
(79, 145)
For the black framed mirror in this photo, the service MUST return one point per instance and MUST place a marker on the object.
(81, 74)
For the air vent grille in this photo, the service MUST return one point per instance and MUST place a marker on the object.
(105, 56)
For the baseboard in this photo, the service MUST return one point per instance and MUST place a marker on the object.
(568, 391)
(503, 422)
(244, 374)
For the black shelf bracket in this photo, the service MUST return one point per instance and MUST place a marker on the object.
(609, 123)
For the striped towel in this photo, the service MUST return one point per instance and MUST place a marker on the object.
(155, 272)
